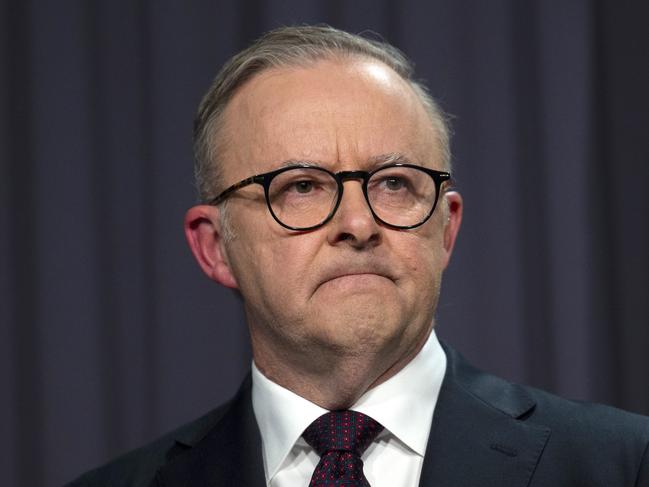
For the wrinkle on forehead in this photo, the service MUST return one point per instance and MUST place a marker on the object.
(331, 113)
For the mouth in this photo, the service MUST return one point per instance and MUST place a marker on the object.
(355, 276)
(355, 284)
(355, 279)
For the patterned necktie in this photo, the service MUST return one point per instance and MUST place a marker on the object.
(340, 438)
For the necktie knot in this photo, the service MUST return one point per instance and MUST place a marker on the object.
(340, 438)
(349, 431)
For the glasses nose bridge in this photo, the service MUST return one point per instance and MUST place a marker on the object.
(361, 176)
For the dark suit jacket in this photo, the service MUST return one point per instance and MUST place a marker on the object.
(485, 432)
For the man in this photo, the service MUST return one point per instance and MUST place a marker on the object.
(324, 175)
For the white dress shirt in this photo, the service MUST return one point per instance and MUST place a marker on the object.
(404, 405)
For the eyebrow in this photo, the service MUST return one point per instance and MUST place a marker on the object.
(374, 161)
(299, 162)
(389, 158)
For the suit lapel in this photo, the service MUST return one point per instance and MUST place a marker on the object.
(229, 454)
(478, 435)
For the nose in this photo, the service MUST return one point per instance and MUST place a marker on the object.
(354, 223)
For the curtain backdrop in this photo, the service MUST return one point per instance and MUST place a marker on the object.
(111, 335)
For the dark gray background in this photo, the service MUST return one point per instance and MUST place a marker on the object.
(111, 335)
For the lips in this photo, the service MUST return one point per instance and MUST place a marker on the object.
(355, 269)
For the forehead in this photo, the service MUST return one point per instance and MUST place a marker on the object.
(339, 114)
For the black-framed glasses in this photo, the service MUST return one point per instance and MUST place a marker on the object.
(306, 197)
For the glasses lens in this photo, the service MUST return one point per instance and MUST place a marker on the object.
(302, 197)
(401, 196)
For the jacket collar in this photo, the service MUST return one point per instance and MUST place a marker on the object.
(227, 453)
(479, 435)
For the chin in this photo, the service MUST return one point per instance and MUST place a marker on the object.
(360, 329)
(356, 302)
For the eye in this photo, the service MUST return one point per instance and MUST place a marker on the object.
(302, 183)
(394, 183)
(303, 186)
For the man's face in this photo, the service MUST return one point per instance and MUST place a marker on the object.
(354, 286)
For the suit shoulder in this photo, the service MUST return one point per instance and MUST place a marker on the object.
(138, 467)
(536, 406)
(598, 444)
(596, 420)
(577, 429)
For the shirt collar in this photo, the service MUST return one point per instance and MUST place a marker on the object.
(404, 405)
(282, 417)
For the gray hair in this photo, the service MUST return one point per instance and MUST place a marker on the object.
(298, 46)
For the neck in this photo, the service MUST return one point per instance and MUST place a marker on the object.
(332, 379)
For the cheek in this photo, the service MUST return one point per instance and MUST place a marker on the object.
(284, 266)
(422, 258)
(294, 257)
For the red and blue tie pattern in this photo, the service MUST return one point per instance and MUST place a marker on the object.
(340, 438)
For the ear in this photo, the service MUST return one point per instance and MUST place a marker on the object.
(454, 206)
(204, 235)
